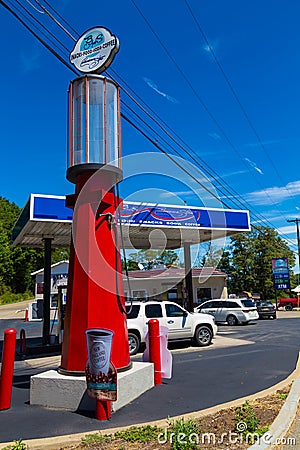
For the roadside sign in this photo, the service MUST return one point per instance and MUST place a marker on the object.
(281, 274)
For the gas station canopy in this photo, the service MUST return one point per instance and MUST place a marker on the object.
(144, 225)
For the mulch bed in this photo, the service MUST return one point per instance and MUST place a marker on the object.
(222, 427)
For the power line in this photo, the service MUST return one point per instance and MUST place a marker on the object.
(226, 190)
(70, 67)
(37, 36)
(235, 95)
(211, 115)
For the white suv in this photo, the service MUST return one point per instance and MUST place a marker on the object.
(181, 324)
(232, 311)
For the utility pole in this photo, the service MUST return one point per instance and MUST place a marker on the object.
(296, 221)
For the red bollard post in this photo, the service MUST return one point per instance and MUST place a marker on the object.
(154, 349)
(26, 315)
(103, 409)
(7, 368)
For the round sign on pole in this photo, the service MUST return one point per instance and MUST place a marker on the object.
(95, 50)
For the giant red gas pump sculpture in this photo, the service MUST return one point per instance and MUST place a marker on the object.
(95, 288)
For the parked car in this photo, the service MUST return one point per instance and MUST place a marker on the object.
(232, 311)
(181, 324)
(266, 309)
(288, 303)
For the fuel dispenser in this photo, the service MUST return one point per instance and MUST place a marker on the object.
(95, 297)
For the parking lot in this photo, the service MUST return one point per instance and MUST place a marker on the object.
(241, 361)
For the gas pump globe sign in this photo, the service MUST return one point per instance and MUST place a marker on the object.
(95, 50)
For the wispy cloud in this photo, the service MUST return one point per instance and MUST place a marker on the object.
(30, 61)
(274, 195)
(215, 136)
(288, 229)
(177, 193)
(232, 174)
(254, 166)
(153, 86)
(264, 143)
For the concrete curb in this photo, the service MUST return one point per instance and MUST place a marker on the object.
(281, 425)
(278, 429)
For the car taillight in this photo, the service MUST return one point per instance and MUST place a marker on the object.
(246, 310)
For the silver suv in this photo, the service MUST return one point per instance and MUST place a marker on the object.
(232, 311)
(181, 324)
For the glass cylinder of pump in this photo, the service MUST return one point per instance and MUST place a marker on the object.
(94, 137)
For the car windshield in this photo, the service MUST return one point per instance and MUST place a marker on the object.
(248, 303)
(265, 304)
(132, 311)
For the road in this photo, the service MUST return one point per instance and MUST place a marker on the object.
(241, 361)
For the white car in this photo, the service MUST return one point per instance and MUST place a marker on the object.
(181, 324)
(232, 311)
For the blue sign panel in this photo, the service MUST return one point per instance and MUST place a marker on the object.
(174, 216)
(281, 274)
(51, 208)
(54, 209)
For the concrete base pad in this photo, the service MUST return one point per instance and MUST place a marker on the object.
(54, 390)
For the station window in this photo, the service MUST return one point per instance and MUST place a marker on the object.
(172, 294)
(139, 295)
(203, 294)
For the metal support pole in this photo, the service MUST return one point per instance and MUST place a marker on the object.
(7, 367)
(296, 221)
(188, 276)
(47, 289)
(154, 349)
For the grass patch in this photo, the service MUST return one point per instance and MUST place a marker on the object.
(96, 438)
(142, 434)
(282, 396)
(9, 297)
(180, 432)
(17, 445)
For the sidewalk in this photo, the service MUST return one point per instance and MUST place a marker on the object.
(291, 440)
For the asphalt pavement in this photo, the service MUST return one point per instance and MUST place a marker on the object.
(243, 360)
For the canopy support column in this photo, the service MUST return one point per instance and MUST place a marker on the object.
(188, 276)
(47, 289)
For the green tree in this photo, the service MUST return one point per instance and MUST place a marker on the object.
(131, 265)
(212, 256)
(251, 260)
(16, 264)
(151, 257)
(6, 262)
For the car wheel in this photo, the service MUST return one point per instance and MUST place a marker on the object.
(288, 307)
(134, 343)
(231, 320)
(203, 336)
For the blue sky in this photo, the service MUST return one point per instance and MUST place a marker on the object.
(250, 139)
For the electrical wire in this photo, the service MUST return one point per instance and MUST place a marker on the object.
(207, 110)
(128, 93)
(235, 95)
(37, 37)
(71, 68)
(36, 20)
(55, 20)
